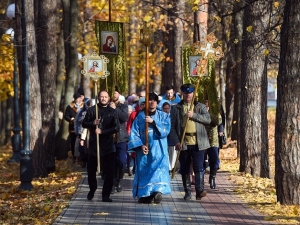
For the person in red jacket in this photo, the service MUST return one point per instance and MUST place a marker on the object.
(130, 157)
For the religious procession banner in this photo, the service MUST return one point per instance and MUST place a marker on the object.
(207, 87)
(111, 41)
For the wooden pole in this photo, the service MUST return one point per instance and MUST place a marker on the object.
(147, 94)
(97, 136)
(109, 10)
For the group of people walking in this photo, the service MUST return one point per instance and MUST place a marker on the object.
(150, 141)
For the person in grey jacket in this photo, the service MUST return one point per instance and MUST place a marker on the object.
(195, 140)
(120, 140)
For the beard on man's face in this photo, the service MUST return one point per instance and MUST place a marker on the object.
(153, 105)
(103, 102)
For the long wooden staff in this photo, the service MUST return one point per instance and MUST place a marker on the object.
(97, 135)
(147, 96)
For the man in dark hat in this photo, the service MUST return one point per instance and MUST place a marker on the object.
(151, 178)
(120, 139)
(195, 140)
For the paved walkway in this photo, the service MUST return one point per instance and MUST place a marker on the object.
(220, 206)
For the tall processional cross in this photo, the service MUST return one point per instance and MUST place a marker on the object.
(206, 51)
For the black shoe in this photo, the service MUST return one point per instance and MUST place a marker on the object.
(200, 194)
(187, 195)
(113, 190)
(130, 172)
(146, 200)
(157, 197)
(90, 195)
(106, 199)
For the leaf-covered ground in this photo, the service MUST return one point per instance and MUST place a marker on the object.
(51, 195)
(44, 202)
(259, 193)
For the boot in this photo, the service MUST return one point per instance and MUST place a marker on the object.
(212, 179)
(186, 181)
(130, 171)
(116, 181)
(199, 185)
(120, 180)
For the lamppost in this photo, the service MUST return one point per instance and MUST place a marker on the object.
(26, 166)
(146, 37)
(16, 138)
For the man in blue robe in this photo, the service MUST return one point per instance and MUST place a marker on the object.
(151, 179)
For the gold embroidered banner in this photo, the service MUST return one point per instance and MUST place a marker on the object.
(207, 87)
(111, 40)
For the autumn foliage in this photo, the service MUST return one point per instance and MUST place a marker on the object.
(44, 202)
(259, 193)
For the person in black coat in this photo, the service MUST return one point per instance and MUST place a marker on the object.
(70, 113)
(108, 125)
(121, 139)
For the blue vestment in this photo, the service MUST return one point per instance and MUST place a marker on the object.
(152, 170)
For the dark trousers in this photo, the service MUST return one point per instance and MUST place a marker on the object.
(186, 157)
(72, 140)
(121, 155)
(108, 164)
(130, 161)
(213, 158)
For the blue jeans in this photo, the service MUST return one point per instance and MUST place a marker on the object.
(213, 158)
(121, 155)
(186, 157)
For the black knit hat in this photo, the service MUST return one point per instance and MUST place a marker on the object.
(76, 95)
(80, 91)
(153, 96)
(117, 89)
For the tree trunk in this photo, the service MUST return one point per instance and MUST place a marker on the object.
(178, 41)
(47, 59)
(287, 133)
(8, 126)
(133, 43)
(3, 122)
(254, 126)
(60, 81)
(157, 53)
(70, 9)
(34, 93)
(235, 123)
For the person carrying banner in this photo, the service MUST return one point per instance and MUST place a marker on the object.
(195, 139)
(108, 125)
(151, 178)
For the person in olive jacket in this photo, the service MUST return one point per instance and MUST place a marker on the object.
(195, 140)
(108, 125)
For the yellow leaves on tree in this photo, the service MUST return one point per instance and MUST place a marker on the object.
(6, 67)
(249, 28)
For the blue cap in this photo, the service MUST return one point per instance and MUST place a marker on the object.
(187, 88)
